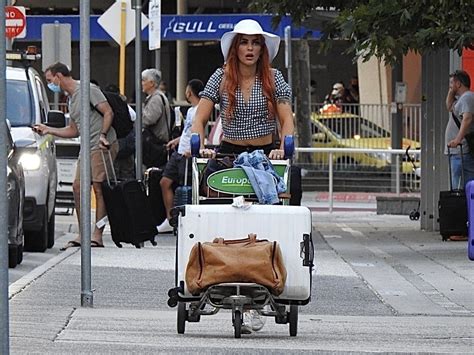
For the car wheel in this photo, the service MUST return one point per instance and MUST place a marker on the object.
(20, 254)
(37, 241)
(12, 256)
(51, 230)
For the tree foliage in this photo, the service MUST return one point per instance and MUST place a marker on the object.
(386, 29)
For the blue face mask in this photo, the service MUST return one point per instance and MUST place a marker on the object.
(54, 87)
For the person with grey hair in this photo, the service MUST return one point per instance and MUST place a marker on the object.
(156, 120)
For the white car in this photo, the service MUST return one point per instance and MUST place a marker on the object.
(27, 104)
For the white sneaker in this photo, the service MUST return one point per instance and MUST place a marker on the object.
(253, 321)
(165, 227)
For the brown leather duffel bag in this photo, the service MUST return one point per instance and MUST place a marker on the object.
(240, 260)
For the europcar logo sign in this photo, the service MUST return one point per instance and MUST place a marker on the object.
(234, 181)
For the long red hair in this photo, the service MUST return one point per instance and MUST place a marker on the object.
(264, 73)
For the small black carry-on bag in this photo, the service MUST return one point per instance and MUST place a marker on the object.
(452, 207)
(182, 195)
(128, 209)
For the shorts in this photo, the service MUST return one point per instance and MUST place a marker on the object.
(97, 164)
(175, 167)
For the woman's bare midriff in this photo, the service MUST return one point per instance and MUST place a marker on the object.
(260, 141)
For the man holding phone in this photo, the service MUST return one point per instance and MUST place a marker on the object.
(102, 137)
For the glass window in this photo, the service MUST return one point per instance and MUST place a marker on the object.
(19, 108)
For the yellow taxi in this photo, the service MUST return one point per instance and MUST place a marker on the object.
(347, 130)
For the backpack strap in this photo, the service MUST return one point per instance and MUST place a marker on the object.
(456, 120)
(166, 115)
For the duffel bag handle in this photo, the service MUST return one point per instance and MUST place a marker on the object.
(251, 239)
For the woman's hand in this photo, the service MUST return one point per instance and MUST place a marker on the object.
(277, 154)
(207, 153)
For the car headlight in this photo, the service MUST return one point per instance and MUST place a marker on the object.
(30, 161)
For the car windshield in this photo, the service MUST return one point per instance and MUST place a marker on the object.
(350, 127)
(19, 110)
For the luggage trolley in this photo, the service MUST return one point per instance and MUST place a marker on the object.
(207, 218)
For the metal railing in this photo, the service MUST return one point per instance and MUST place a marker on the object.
(380, 115)
(332, 151)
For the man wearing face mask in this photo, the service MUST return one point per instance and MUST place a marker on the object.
(102, 137)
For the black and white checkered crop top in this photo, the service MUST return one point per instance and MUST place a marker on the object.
(250, 120)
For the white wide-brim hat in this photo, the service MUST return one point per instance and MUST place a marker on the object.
(250, 27)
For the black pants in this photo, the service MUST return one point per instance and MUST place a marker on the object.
(229, 148)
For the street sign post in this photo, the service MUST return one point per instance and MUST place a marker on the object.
(4, 310)
(119, 22)
(87, 296)
(110, 22)
(15, 22)
(154, 27)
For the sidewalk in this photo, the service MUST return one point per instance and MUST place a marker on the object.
(381, 285)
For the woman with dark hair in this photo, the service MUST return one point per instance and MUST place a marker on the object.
(252, 96)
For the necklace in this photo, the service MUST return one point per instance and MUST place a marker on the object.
(246, 85)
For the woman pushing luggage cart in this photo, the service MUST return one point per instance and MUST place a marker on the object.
(252, 97)
(269, 273)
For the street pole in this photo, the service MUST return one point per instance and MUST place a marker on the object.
(288, 59)
(181, 58)
(85, 167)
(137, 5)
(4, 321)
(123, 45)
(397, 118)
(56, 58)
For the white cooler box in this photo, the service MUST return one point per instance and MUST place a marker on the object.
(289, 225)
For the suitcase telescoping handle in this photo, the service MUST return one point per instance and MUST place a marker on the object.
(111, 166)
(186, 170)
(451, 172)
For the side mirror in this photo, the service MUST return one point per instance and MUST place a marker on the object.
(320, 137)
(56, 119)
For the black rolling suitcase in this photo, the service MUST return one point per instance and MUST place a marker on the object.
(452, 209)
(152, 183)
(128, 210)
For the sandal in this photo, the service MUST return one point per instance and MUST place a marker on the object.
(71, 244)
(96, 244)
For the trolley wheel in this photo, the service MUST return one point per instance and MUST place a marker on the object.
(182, 315)
(237, 324)
(414, 215)
(293, 320)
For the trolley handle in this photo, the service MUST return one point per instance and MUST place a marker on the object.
(307, 250)
(106, 167)
(288, 147)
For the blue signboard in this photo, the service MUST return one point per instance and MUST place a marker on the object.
(173, 27)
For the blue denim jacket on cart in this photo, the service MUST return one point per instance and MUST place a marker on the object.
(263, 178)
